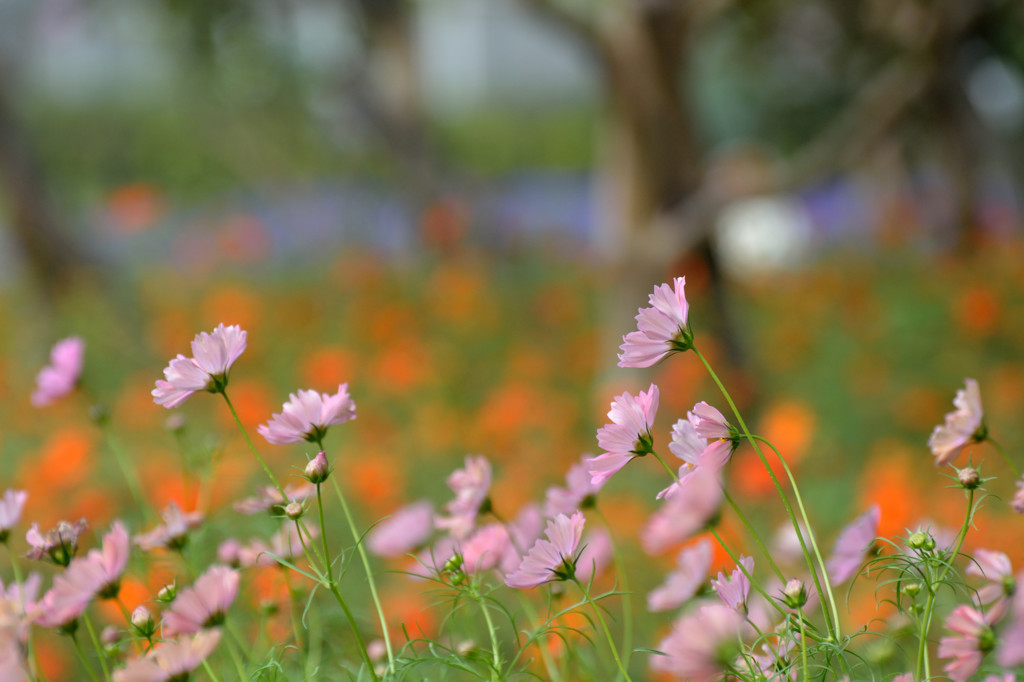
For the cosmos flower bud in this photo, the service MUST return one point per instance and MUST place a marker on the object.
(794, 594)
(293, 510)
(969, 478)
(167, 593)
(912, 589)
(143, 622)
(318, 470)
(922, 540)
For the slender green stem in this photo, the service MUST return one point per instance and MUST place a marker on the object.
(604, 627)
(627, 596)
(756, 585)
(803, 648)
(131, 476)
(923, 663)
(545, 655)
(209, 671)
(234, 647)
(673, 474)
(369, 573)
(495, 650)
(245, 434)
(1006, 457)
(831, 620)
(96, 643)
(811, 537)
(754, 534)
(333, 587)
(83, 660)
(328, 569)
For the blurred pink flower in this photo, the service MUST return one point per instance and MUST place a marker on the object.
(60, 377)
(471, 486)
(486, 548)
(734, 590)
(974, 638)
(204, 604)
(1018, 499)
(406, 530)
(710, 423)
(661, 329)
(60, 544)
(996, 568)
(97, 574)
(701, 644)
(628, 436)
(595, 556)
(553, 557)
(306, 416)
(685, 512)
(173, 534)
(1011, 645)
(11, 506)
(852, 545)
(578, 493)
(171, 660)
(207, 369)
(268, 499)
(692, 568)
(963, 425)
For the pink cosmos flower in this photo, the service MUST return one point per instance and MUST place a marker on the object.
(207, 369)
(595, 556)
(963, 426)
(486, 548)
(695, 451)
(628, 436)
(268, 499)
(59, 545)
(578, 493)
(406, 530)
(306, 416)
(684, 513)
(710, 423)
(471, 486)
(11, 505)
(171, 660)
(701, 644)
(994, 567)
(661, 329)
(1018, 499)
(734, 590)
(692, 568)
(553, 557)
(18, 608)
(97, 574)
(852, 545)
(974, 638)
(204, 604)
(60, 377)
(173, 533)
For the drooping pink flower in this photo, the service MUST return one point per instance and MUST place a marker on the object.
(11, 505)
(685, 512)
(171, 660)
(207, 370)
(306, 416)
(204, 604)
(268, 499)
(553, 557)
(59, 545)
(734, 590)
(974, 638)
(994, 567)
(97, 574)
(701, 644)
(60, 377)
(173, 533)
(471, 486)
(963, 425)
(852, 545)
(661, 329)
(578, 493)
(405, 531)
(692, 568)
(628, 436)
(595, 556)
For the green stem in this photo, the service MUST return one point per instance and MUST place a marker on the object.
(495, 651)
(245, 434)
(627, 597)
(209, 671)
(803, 648)
(673, 474)
(369, 573)
(739, 565)
(549, 664)
(131, 476)
(96, 643)
(831, 620)
(923, 664)
(82, 659)
(1006, 457)
(753, 534)
(333, 587)
(604, 627)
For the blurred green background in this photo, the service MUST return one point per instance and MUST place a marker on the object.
(457, 207)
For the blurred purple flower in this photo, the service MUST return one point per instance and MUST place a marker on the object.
(404, 531)
(471, 486)
(60, 377)
(973, 639)
(173, 533)
(852, 545)
(171, 660)
(204, 604)
(692, 566)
